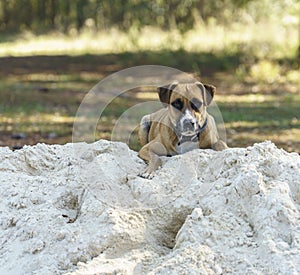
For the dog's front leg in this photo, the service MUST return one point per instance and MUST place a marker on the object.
(151, 153)
(154, 163)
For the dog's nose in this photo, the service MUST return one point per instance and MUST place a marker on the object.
(188, 125)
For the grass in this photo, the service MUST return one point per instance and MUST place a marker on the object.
(43, 79)
(262, 40)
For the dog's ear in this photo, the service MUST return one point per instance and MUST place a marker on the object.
(165, 92)
(207, 93)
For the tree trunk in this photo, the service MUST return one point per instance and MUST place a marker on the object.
(79, 14)
(201, 10)
(298, 55)
(27, 13)
(52, 13)
(66, 10)
(41, 13)
(5, 12)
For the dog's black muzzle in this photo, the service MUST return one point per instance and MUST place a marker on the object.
(189, 125)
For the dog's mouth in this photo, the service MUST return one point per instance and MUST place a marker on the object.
(185, 131)
(188, 133)
(188, 136)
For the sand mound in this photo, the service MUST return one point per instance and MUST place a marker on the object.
(82, 210)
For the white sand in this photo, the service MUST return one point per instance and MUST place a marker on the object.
(83, 210)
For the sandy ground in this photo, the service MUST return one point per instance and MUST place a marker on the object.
(82, 209)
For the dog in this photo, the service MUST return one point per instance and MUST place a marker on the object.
(182, 125)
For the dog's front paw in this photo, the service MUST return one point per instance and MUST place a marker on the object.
(147, 174)
(154, 164)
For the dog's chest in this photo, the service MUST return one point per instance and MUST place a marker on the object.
(187, 146)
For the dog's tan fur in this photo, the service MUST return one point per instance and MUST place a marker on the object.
(157, 134)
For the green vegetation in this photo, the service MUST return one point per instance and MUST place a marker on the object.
(51, 58)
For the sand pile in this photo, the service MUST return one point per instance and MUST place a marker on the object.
(83, 210)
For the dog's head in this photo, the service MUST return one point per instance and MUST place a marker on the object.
(187, 104)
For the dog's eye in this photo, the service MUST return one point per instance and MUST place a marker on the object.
(178, 104)
(196, 104)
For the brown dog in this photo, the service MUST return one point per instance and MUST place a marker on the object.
(182, 125)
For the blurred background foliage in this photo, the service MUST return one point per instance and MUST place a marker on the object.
(250, 49)
(65, 15)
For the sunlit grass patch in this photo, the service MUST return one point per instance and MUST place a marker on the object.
(269, 99)
(246, 98)
(56, 82)
(39, 122)
(261, 40)
(31, 93)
